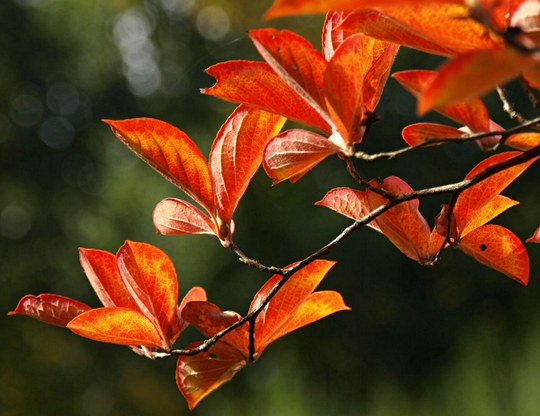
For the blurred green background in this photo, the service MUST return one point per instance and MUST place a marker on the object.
(459, 339)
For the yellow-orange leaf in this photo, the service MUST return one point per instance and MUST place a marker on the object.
(523, 141)
(169, 151)
(237, 153)
(498, 248)
(465, 76)
(151, 280)
(199, 375)
(291, 7)
(444, 29)
(116, 326)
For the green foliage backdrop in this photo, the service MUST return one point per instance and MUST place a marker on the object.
(457, 339)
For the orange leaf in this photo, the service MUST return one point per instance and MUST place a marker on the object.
(293, 153)
(209, 319)
(402, 224)
(258, 85)
(195, 294)
(444, 29)
(472, 113)
(465, 76)
(237, 154)
(343, 86)
(174, 216)
(498, 248)
(100, 268)
(116, 326)
(52, 309)
(346, 201)
(535, 238)
(291, 7)
(474, 204)
(169, 151)
(151, 279)
(294, 305)
(416, 134)
(199, 375)
(332, 37)
(296, 62)
(523, 141)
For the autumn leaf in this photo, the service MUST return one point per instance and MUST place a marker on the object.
(418, 133)
(292, 7)
(169, 151)
(52, 309)
(139, 289)
(535, 238)
(293, 306)
(474, 205)
(498, 248)
(219, 185)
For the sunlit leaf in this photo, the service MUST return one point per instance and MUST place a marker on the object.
(415, 134)
(465, 76)
(343, 86)
(195, 294)
(523, 141)
(346, 201)
(209, 319)
(472, 201)
(444, 29)
(258, 85)
(293, 153)
(237, 154)
(174, 216)
(491, 209)
(498, 248)
(102, 272)
(294, 305)
(472, 112)
(116, 326)
(199, 375)
(402, 224)
(151, 279)
(296, 62)
(169, 151)
(52, 309)
(291, 7)
(332, 37)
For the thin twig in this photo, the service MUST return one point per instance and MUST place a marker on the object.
(508, 107)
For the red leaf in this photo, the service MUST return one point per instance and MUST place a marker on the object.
(151, 279)
(403, 224)
(444, 29)
(472, 113)
(492, 208)
(175, 216)
(258, 85)
(294, 305)
(343, 86)
(102, 272)
(291, 7)
(472, 202)
(332, 35)
(416, 134)
(116, 326)
(195, 294)
(52, 309)
(199, 375)
(346, 201)
(535, 238)
(296, 62)
(209, 319)
(465, 76)
(293, 153)
(169, 151)
(498, 248)
(237, 154)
